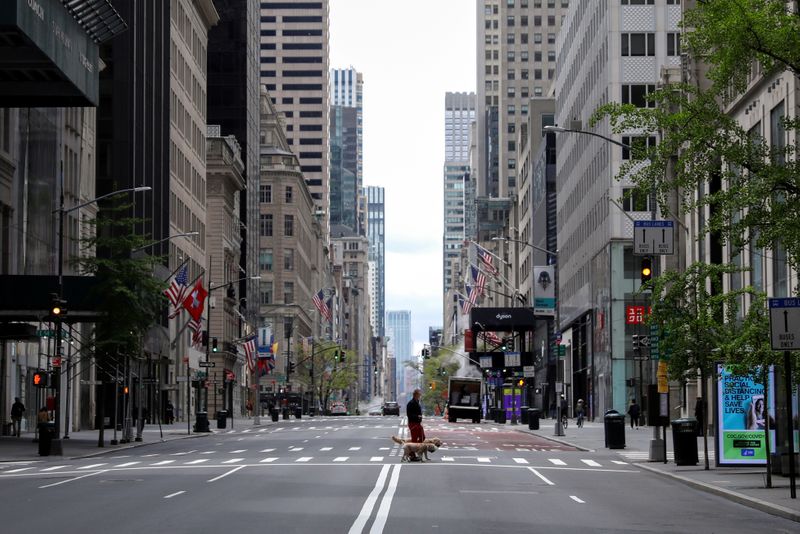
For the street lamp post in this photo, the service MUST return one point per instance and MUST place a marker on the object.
(56, 444)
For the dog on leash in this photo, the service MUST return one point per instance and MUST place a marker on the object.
(419, 450)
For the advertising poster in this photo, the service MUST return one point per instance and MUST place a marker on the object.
(511, 402)
(741, 420)
(544, 291)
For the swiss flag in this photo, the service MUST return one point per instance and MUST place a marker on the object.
(195, 301)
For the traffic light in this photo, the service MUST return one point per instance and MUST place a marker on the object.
(342, 356)
(40, 379)
(647, 269)
(426, 353)
(214, 345)
(635, 340)
(58, 307)
(336, 356)
(510, 344)
(205, 338)
(521, 382)
(125, 390)
(290, 367)
(504, 345)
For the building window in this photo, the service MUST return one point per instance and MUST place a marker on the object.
(511, 109)
(640, 145)
(512, 163)
(551, 55)
(537, 38)
(289, 194)
(637, 95)
(673, 44)
(288, 225)
(288, 259)
(635, 200)
(265, 194)
(638, 44)
(288, 292)
(265, 259)
(637, 2)
(265, 225)
(265, 292)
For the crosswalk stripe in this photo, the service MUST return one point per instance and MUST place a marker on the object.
(354, 449)
(521, 460)
(522, 450)
(326, 448)
(55, 467)
(296, 449)
(268, 460)
(556, 461)
(341, 458)
(619, 462)
(207, 452)
(483, 460)
(128, 464)
(448, 459)
(163, 462)
(197, 461)
(233, 460)
(92, 466)
(376, 459)
(18, 470)
(304, 459)
(267, 450)
(246, 430)
(590, 463)
(239, 451)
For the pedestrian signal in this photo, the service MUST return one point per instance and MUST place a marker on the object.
(40, 379)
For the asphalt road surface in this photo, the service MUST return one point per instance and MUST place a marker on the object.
(345, 475)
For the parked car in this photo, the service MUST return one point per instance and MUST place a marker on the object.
(375, 410)
(391, 408)
(337, 408)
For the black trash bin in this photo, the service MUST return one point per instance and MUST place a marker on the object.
(523, 415)
(501, 416)
(285, 413)
(201, 422)
(533, 419)
(684, 441)
(614, 427)
(47, 431)
(298, 412)
(274, 412)
(222, 418)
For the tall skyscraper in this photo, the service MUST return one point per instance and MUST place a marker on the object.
(346, 136)
(398, 328)
(516, 59)
(294, 67)
(459, 113)
(376, 232)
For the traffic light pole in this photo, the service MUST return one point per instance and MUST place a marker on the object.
(56, 444)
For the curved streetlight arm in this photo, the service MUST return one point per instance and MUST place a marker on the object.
(541, 249)
(559, 129)
(257, 277)
(101, 197)
(185, 234)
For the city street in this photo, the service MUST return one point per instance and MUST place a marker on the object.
(345, 475)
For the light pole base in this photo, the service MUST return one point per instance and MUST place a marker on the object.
(559, 430)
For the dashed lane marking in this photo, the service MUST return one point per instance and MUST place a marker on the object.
(267, 450)
(164, 462)
(576, 499)
(354, 449)
(56, 467)
(127, 464)
(326, 448)
(521, 460)
(171, 495)
(238, 451)
(341, 458)
(91, 466)
(591, 463)
(18, 470)
(556, 461)
(193, 462)
(304, 459)
(376, 459)
(268, 460)
(233, 461)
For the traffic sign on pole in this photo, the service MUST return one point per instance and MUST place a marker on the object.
(784, 323)
(653, 238)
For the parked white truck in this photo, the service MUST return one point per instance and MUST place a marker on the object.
(464, 399)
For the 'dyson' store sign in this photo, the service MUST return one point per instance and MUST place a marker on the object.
(502, 319)
(51, 60)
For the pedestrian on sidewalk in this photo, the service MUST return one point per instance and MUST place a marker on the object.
(170, 413)
(17, 409)
(43, 416)
(634, 412)
(698, 414)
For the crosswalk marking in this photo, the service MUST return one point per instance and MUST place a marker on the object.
(268, 460)
(92, 466)
(326, 448)
(238, 451)
(448, 459)
(483, 460)
(383, 449)
(521, 460)
(304, 459)
(193, 462)
(590, 463)
(521, 449)
(267, 450)
(296, 449)
(556, 461)
(128, 464)
(341, 459)
(376, 459)
(619, 462)
(55, 467)
(19, 470)
(164, 462)
(233, 460)
(354, 449)
(207, 452)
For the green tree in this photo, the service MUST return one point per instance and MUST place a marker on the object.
(435, 374)
(332, 370)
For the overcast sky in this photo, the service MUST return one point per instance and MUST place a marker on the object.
(410, 53)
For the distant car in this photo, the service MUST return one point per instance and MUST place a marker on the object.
(338, 408)
(391, 408)
(376, 410)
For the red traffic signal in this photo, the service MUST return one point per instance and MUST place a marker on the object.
(40, 379)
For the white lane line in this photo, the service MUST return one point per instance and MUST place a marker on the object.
(591, 463)
(223, 475)
(17, 470)
(207, 452)
(296, 449)
(238, 451)
(92, 466)
(369, 504)
(127, 464)
(263, 430)
(556, 461)
(619, 462)
(164, 462)
(326, 449)
(354, 449)
(538, 474)
(54, 468)
(574, 498)
(448, 459)
(383, 448)
(341, 458)
(521, 460)
(73, 479)
(171, 495)
(233, 461)
(149, 455)
(267, 450)
(483, 460)
(304, 459)
(193, 462)
(522, 449)
(268, 460)
(376, 459)
(386, 503)
(246, 430)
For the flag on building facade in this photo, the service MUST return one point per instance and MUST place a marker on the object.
(487, 259)
(197, 331)
(195, 300)
(469, 302)
(480, 280)
(177, 288)
(250, 352)
(492, 338)
(321, 305)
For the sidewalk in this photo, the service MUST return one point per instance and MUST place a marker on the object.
(83, 444)
(745, 485)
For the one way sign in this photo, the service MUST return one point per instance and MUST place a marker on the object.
(784, 323)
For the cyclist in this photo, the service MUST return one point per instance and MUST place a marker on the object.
(579, 408)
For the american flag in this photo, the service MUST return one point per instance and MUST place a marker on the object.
(322, 306)
(480, 280)
(250, 352)
(469, 302)
(197, 332)
(492, 338)
(177, 289)
(487, 260)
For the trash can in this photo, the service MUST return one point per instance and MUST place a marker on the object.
(201, 422)
(298, 412)
(222, 418)
(523, 414)
(684, 441)
(533, 419)
(501, 416)
(274, 412)
(285, 413)
(47, 432)
(614, 427)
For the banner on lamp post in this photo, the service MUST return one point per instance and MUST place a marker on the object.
(544, 290)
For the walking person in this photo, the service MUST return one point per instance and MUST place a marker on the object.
(414, 415)
(634, 412)
(17, 410)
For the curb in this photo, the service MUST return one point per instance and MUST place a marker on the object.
(555, 439)
(750, 502)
